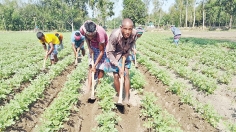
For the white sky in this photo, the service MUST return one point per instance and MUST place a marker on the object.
(118, 7)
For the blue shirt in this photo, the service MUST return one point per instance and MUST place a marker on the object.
(175, 31)
(77, 43)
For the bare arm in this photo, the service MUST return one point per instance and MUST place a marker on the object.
(81, 45)
(88, 44)
(74, 49)
(51, 49)
(44, 47)
(89, 47)
(101, 48)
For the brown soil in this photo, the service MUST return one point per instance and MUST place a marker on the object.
(82, 118)
(29, 120)
(223, 99)
(219, 35)
(188, 119)
(17, 90)
(23, 85)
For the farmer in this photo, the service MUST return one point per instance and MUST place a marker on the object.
(96, 39)
(139, 31)
(120, 44)
(77, 40)
(52, 42)
(177, 34)
(60, 37)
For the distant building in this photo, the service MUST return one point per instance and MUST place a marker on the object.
(151, 25)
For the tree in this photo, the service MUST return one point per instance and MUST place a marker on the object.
(194, 13)
(103, 8)
(147, 3)
(186, 12)
(135, 10)
(230, 8)
(10, 14)
(176, 13)
(106, 9)
(203, 14)
(92, 4)
(3, 25)
(114, 23)
(157, 9)
(76, 11)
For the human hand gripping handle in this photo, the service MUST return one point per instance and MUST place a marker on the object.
(134, 51)
(121, 72)
(122, 67)
(90, 51)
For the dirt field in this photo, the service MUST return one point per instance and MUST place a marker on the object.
(219, 35)
(84, 119)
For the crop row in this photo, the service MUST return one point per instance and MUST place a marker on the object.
(34, 91)
(59, 110)
(155, 118)
(108, 119)
(22, 75)
(177, 87)
(210, 55)
(201, 81)
(19, 65)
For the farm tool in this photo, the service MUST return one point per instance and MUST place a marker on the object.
(78, 57)
(135, 61)
(44, 62)
(121, 83)
(93, 81)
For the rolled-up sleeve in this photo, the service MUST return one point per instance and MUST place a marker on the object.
(110, 50)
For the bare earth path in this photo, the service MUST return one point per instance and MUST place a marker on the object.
(83, 120)
(83, 114)
(220, 35)
(29, 120)
(188, 119)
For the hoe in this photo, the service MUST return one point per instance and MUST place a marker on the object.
(77, 56)
(121, 84)
(93, 81)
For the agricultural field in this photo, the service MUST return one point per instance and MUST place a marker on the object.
(189, 88)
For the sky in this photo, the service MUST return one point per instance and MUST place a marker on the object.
(118, 7)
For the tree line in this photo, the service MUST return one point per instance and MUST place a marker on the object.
(62, 15)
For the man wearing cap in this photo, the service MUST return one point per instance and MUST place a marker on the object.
(139, 31)
(77, 41)
(177, 34)
(96, 39)
(60, 37)
(119, 46)
(52, 42)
